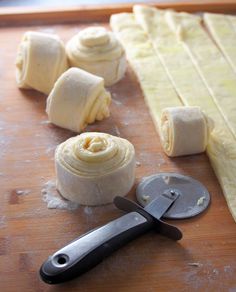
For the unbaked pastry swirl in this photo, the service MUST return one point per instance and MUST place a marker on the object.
(184, 130)
(41, 59)
(97, 51)
(77, 99)
(92, 168)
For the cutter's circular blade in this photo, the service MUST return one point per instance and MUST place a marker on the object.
(193, 196)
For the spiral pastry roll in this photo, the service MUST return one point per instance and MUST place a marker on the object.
(77, 99)
(41, 59)
(97, 51)
(93, 168)
(184, 130)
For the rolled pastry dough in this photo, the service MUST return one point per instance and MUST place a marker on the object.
(77, 99)
(41, 59)
(93, 168)
(97, 51)
(184, 131)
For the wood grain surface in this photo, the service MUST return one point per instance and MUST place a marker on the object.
(30, 232)
(85, 13)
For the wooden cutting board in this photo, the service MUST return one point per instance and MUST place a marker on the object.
(30, 232)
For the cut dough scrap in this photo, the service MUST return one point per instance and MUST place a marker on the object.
(223, 33)
(184, 131)
(41, 59)
(77, 99)
(97, 51)
(93, 168)
(214, 69)
(156, 86)
(192, 91)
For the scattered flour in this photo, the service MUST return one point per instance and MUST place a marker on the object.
(50, 150)
(3, 221)
(215, 271)
(116, 102)
(195, 264)
(117, 131)
(48, 30)
(54, 199)
(88, 210)
(22, 192)
(227, 269)
(45, 122)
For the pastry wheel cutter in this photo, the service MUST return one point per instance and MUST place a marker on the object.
(165, 195)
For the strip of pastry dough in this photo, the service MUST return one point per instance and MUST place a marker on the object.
(156, 86)
(232, 20)
(214, 69)
(192, 91)
(223, 33)
(176, 61)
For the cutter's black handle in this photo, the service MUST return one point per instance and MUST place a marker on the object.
(90, 249)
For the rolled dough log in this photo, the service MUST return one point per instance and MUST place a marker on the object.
(41, 59)
(77, 99)
(97, 51)
(93, 168)
(184, 130)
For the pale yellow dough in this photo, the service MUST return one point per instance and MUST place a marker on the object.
(77, 99)
(41, 59)
(170, 49)
(209, 61)
(184, 131)
(93, 168)
(224, 34)
(157, 89)
(97, 51)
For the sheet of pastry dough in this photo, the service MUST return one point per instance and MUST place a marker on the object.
(214, 69)
(192, 91)
(156, 86)
(224, 34)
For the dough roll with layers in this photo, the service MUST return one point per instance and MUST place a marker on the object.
(97, 51)
(77, 99)
(41, 59)
(183, 130)
(93, 168)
